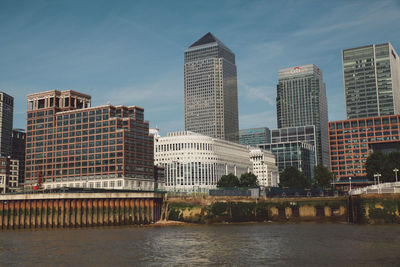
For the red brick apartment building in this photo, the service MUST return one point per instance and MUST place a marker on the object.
(71, 144)
(351, 142)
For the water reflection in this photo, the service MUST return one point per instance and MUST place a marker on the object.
(241, 244)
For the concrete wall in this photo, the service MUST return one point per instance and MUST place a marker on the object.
(226, 209)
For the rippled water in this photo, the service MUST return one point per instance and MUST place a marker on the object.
(211, 245)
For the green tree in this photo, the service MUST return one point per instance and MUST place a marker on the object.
(291, 177)
(229, 180)
(322, 177)
(392, 163)
(248, 180)
(377, 163)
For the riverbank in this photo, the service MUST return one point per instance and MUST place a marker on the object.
(364, 209)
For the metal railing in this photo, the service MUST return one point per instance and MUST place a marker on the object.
(382, 188)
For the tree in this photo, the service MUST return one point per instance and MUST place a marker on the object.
(229, 180)
(248, 180)
(291, 177)
(322, 177)
(376, 163)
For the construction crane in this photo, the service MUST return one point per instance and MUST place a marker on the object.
(38, 186)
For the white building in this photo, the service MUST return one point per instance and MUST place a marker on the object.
(264, 167)
(195, 162)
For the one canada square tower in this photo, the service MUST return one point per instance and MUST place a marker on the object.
(211, 101)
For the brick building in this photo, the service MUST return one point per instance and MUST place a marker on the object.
(72, 144)
(351, 142)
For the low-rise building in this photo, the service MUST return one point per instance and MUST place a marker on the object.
(9, 173)
(264, 167)
(352, 141)
(254, 136)
(195, 162)
(293, 153)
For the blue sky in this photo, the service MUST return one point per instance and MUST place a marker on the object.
(131, 52)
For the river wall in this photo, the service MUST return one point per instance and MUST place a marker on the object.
(231, 209)
(370, 209)
(374, 208)
(78, 210)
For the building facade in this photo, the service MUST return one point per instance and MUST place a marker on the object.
(304, 134)
(301, 100)
(211, 100)
(71, 144)
(9, 171)
(195, 162)
(253, 137)
(293, 153)
(6, 123)
(18, 151)
(264, 167)
(351, 142)
(371, 81)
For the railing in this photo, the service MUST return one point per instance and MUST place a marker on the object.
(383, 188)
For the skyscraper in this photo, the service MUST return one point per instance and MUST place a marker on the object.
(6, 123)
(301, 101)
(211, 101)
(371, 81)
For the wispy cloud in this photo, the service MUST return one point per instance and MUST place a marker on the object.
(266, 94)
(260, 119)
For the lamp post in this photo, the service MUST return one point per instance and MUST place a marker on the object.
(377, 175)
(350, 184)
(395, 171)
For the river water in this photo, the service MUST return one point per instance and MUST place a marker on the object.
(258, 244)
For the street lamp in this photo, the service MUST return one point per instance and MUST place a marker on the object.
(395, 171)
(377, 175)
(350, 184)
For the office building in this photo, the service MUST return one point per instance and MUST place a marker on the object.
(9, 171)
(301, 101)
(351, 142)
(293, 153)
(18, 151)
(305, 134)
(195, 162)
(371, 81)
(253, 137)
(264, 167)
(6, 123)
(71, 144)
(211, 100)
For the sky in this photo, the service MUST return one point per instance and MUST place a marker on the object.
(132, 52)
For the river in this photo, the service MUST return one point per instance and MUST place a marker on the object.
(258, 244)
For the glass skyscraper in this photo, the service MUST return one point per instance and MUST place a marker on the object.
(211, 101)
(371, 81)
(301, 101)
(254, 136)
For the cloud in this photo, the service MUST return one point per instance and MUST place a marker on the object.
(352, 15)
(266, 94)
(261, 119)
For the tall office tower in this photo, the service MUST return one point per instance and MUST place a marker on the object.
(301, 101)
(211, 101)
(371, 81)
(71, 144)
(6, 123)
